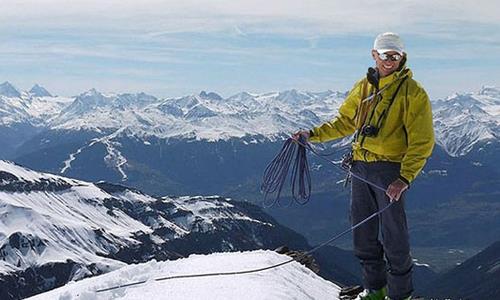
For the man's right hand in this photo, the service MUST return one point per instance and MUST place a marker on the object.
(303, 133)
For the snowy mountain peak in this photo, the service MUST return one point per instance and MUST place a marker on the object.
(8, 90)
(491, 91)
(84, 103)
(464, 120)
(39, 91)
(91, 93)
(207, 116)
(292, 96)
(210, 95)
(199, 111)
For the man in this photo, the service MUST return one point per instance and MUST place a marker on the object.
(390, 115)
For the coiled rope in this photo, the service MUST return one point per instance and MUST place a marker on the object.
(276, 173)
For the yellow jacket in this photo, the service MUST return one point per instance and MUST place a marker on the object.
(405, 135)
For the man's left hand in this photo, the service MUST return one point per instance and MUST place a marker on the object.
(395, 189)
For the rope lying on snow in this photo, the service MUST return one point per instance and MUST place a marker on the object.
(275, 175)
(299, 257)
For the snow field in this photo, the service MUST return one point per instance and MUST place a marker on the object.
(291, 281)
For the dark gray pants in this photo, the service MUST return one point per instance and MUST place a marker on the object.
(394, 242)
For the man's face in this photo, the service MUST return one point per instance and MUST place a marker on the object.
(386, 67)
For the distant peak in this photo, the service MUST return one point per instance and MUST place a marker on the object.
(8, 90)
(210, 95)
(91, 97)
(292, 96)
(489, 91)
(39, 91)
(91, 92)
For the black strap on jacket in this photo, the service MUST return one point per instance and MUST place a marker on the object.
(384, 113)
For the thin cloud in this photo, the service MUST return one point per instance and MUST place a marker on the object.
(258, 16)
(190, 37)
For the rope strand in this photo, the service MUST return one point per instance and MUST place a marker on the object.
(275, 175)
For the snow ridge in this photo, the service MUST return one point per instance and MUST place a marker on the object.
(292, 281)
(48, 218)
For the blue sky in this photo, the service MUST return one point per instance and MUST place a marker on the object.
(174, 48)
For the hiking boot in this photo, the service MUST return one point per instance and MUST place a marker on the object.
(373, 294)
(407, 298)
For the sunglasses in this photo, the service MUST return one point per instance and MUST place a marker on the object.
(391, 57)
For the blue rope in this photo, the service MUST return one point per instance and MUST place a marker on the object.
(276, 174)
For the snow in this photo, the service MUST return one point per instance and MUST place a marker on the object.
(464, 120)
(114, 157)
(461, 120)
(208, 211)
(29, 175)
(74, 222)
(7, 89)
(197, 116)
(65, 223)
(72, 157)
(438, 172)
(290, 281)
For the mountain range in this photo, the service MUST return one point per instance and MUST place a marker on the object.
(208, 116)
(207, 144)
(55, 229)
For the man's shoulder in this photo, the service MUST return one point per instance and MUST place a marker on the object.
(415, 87)
(361, 81)
(414, 83)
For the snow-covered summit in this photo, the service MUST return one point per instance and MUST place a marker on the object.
(291, 281)
(39, 91)
(464, 120)
(34, 108)
(76, 220)
(8, 90)
(206, 116)
(210, 95)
